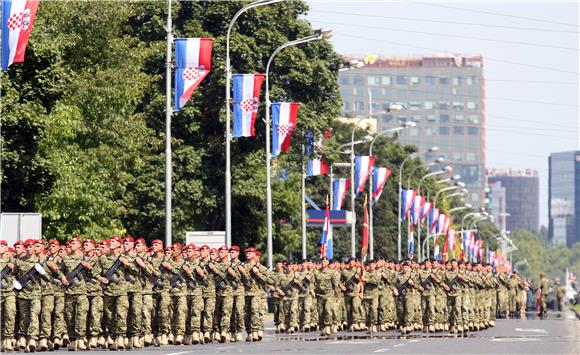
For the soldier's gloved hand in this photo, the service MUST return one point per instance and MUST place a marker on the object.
(411, 282)
(395, 291)
(140, 262)
(199, 271)
(446, 287)
(124, 261)
(64, 280)
(87, 265)
(50, 264)
(103, 280)
(168, 266)
(186, 269)
(10, 265)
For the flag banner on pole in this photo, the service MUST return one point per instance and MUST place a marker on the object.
(317, 167)
(433, 220)
(436, 250)
(340, 189)
(192, 64)
(451, 246)
(410, 245)
(418, 203)
(364, 245)
(425, 211)
(407, 198)
(445, 248)
(313, 144)
(326, 239)
(380, 177)
(17, 22)
(447, 224)
(283, 124)
(362, 168)
(441, 224)
(480, 250)
(246, 101)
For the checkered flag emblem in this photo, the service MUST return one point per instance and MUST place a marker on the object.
(284, 130)
(193, 73)
(15, 21)
(249, 105)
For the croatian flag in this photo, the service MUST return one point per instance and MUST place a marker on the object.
(17, 21)
(380, 177)
(425, 211)
(317, 167)
(436, 251)
(433, 220)
(362, 168)
(410, 246)
(407, 198)
(192, 64)
(246, 101)
(283, 124)
(491, 257)
(326, 239)
(418, 203)
(451, 245)
(340, 189)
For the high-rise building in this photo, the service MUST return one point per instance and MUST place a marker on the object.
(444, 94)
(564, 197)
(522, 198)
(495, 200)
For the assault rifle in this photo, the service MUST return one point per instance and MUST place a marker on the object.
(30, 276)
(427, 283)
(350, 283)
(401, 289)
(158, 280)
(305, 284)
(176, 280)
(72, 277)
(288, 288)
(4, 276)
(110, 274)
(454, 282)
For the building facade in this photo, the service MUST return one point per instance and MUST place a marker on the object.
(564, 198)
(495, 203)
(444, 94)
(522, 198)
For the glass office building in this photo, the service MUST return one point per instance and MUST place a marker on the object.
(444, 94)
(564, 198)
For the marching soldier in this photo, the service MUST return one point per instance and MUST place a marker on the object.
(239, 295)
(208, 293)
(327, 285)
(543, 294)
(7, 296)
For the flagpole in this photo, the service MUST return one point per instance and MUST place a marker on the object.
(168, 112)
(303, 205)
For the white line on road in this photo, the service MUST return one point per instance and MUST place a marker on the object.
(515, 339)
(383, 350)
(399, 345)
(532, 330)
(414, 340)
(179, 353)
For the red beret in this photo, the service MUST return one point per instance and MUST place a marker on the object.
(53, 242)
(89, 241)
(224, 247)
(176, 245)
(40, 241)
(117, 238)
(157, 241)
(235, 247)
(140, 241)
(106, 242)
(189, 246)
(212, 250)
(250, 250)
(167, 249)
(10, 249)
(29, 242)
(63, 247)
(204, 247)
(258, 253)
(3, 242)
(129, 239)
(18, 242)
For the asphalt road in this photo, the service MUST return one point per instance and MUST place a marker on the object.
(559, 333)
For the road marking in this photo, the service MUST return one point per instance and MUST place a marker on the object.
(532, 330)
(515, 339)
(413, 341)
(383, 350)
(399, 345)
(183, 352)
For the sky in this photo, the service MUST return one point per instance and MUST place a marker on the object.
(531, 62)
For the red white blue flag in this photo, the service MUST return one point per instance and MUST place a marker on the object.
(192, 64)
(317, 167)
(433, 220)
(425, 211)
(407, 198)
(17, 22)
(340, 190)
(247, 89)
(362, 168)
(283, 124)
(417, 207)
(380, 177)
(326, 239)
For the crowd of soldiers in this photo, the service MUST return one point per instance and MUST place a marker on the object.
(121, 294)
(430, 296)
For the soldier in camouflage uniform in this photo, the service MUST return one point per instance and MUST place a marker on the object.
(134, 295)
(161, 321)
(239, 295)
(327, 286)
(7, 297)
(146, 280)
(255, 287)
(178, 295)
(208, 292)
(276, 276)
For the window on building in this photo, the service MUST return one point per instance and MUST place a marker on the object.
(401, 118)
(416, 118)
(472, 105)
(443, 155)
(375, 106)
(358, 80)
(458, 130)
(443, 117)
(430, 80)
(443, 80)
(472, 131)
(387, 118)
(431, 118)
(444, 105)
(402, 80)
(375, 92)
(359, 105)
(414, 132)
(457, 80)
(387, 92)
(415, 80)
(429, 105)
(473, 118)
(385, 80)
(346, 106)
(444, 130)
(471, 80)
(457, 156)
(471, 156)
(457, 106)
(415, 105)
(459, 118)
(372, 80)
(428, 131)
(344, 80)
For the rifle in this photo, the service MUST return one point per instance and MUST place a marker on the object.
(288, 288)
(305, 284)
(4, 275)
(23, 282)
(401, 288)
(175, 280)
(427, 283)
(220, 282)
(453, 282)
(350, 283)
(110, 274)
(72, 277)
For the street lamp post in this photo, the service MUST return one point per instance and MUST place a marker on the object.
(168, 112)
(228, 174)
(319, 34)
(371, 235)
